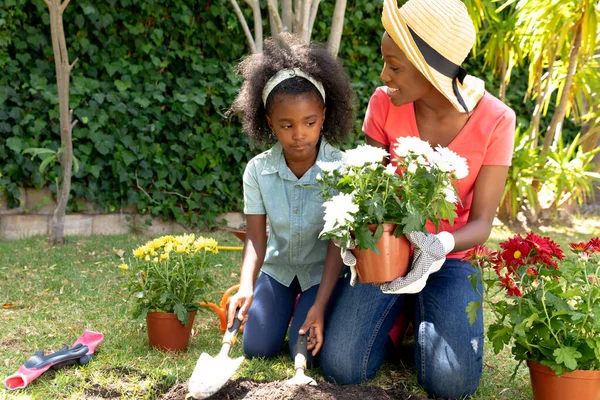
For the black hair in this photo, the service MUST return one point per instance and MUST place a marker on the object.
(288, 51)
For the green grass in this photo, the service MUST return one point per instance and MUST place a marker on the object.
(61, 291)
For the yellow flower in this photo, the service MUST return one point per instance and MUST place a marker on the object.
(155, 259)
(209, 244)
(147, 258)
(164, 256)
(139, 252)
(123, 267)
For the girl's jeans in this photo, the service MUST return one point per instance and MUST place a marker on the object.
(448, 350)
(269, 317)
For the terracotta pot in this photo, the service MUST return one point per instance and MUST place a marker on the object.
(392, 261)
(576, 385)
(238, 234)
(165, 332)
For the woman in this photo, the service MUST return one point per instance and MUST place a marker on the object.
(427, 95)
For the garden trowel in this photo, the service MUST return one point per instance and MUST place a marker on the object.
(300, 364)
(211, 374)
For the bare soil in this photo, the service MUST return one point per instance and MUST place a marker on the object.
(254, 390)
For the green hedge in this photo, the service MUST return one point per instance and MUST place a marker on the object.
(149, 90)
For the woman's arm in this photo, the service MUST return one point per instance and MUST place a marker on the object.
(253, 257)
(487, 193)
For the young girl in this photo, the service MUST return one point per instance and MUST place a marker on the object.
(298, 97)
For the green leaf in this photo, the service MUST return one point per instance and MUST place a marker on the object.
(472, 311)
(122, 86)
(46, 161)
(499, 335)
(15, 144)
(181, 312)
(567, 356)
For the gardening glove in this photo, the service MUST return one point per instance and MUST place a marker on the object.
(429, 256)
(349, 260)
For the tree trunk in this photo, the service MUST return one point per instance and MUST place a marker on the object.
(287, 15)
(337, 27)
(65, 154)
(561, 109)
(539, 101)
(240, 15)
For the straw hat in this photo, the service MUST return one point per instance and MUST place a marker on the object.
(436, 36)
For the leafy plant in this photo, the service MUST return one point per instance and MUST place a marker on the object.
(360, 191)
(169, 274)
(548, 313)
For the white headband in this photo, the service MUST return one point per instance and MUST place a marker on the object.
(288, 73)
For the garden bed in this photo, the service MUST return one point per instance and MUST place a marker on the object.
(249, 389)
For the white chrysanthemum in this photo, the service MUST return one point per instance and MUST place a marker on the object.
(412, 167)
(450, 194)
(329, 166)
(448, 161)
(411, 144)
(364, 154)
(390, 169)
(338, 211)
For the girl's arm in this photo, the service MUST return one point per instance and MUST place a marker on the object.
(316, 315)
(253, 257)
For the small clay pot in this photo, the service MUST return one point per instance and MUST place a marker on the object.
(392, 261)
(576, 385)
(165, 332)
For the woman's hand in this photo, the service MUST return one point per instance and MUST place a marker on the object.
(314, 321)
(242, 300)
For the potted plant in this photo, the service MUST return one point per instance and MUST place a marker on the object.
(369, 205)
(165, 280)
(546, 307)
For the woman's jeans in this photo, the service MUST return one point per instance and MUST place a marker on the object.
(448, 350)
(269, 317)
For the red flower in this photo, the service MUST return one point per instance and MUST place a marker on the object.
(579, 247)
(594, 245)
(532, 271)
(510, 286)
(515, 250)
(478, 252)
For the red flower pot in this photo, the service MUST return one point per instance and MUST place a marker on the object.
(165, 332)
(392, 261)
(576, 385)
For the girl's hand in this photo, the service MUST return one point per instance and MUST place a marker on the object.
(242, 300)
(315, 322)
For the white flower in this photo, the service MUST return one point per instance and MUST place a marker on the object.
(319, 177)
(450, 194)
(364, 154)
(390, 169)
(338, 211)
(448, 161)
(410, 144)
(412, 167)
(329, 166)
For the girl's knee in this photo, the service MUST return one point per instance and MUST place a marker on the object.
(260, 348)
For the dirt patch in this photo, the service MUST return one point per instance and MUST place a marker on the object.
(103, 392)
(254, 390)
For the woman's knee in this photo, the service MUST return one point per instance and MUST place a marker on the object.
(340, 371)
(455, 386)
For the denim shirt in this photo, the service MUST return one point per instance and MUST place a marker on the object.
(294, 208)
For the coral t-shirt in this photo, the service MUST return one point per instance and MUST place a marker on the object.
(486, 139)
